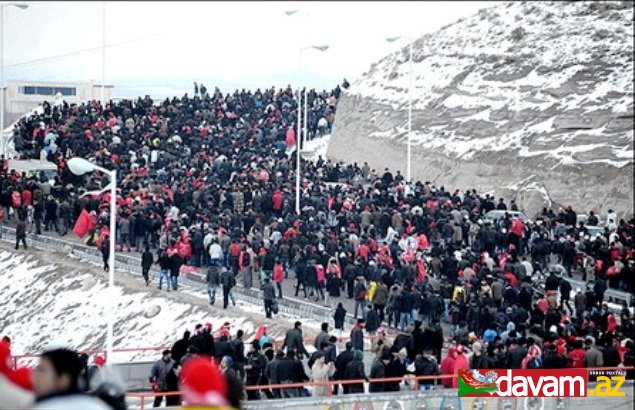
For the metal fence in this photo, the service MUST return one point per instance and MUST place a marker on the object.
(131, 264)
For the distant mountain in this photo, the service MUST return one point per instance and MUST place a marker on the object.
(530, 100)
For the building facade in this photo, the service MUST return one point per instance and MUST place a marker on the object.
(23, 96)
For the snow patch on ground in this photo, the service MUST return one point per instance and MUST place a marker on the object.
(41, 304)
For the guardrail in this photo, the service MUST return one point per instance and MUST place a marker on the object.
(132, 265)
(412, 381)
(277, 344)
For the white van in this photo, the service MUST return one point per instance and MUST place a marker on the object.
(33, 167)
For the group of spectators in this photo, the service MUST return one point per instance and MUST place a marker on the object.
(63, 380)
(209, 180)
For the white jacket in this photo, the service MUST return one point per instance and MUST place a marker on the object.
(13, 397)
(72, 402)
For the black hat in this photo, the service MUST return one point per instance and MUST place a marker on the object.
(166, 351)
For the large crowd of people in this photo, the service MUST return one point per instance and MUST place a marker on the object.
(209, 181)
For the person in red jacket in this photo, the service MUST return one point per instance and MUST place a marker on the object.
(362, 252)
(277, 201)
(447, 367)
(460, 363)
(278, 276)
(577, 355)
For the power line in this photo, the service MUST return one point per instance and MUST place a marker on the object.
(79, 52)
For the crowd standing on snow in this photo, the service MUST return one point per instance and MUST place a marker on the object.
(209, 180)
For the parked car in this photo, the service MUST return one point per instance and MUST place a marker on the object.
(496, 215)
(563, 230)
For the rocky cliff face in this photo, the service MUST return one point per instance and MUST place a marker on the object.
(529, 100)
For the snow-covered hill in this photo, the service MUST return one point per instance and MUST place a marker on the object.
(533, 100)
(49, 298)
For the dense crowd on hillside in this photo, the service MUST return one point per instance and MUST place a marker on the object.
(209, 181)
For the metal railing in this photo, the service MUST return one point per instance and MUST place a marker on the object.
(413, 382)
(132, 265)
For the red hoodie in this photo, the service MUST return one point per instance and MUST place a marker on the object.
(447, 367)
(460, 363)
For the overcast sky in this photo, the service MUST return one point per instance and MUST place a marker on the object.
(163, 47)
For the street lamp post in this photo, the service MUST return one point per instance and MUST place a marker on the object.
(21, 6)
(80, 166)
(300, 134)
(408, 157)
(103, 54)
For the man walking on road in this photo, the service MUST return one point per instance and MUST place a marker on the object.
(213, 280)
(268, 294)
(146, 262)
(228, 281)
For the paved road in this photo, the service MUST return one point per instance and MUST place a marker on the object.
(288, 286)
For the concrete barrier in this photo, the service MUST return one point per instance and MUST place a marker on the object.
(442, 399)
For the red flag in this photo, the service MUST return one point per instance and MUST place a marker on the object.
(83, 225)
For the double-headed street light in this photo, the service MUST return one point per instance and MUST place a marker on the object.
(80, 166)
(21, 6)
(299, 134)
(302, 136)
(391, 40)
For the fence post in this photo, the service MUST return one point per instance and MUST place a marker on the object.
(143, 402)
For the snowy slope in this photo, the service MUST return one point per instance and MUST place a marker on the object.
(42, 303)
(534, 84)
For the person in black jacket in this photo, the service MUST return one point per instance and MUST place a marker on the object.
(372, 320)
(228, 281)
(175, 268)
(342, 360)
(355, 371)
(552, 360)
(300, 275)
(552, 282)
(213, 280)
(426, 365)
(179, 347)
(223, 348)
(146, 262)
(255, 365)
(338, 318)
(165, 266)
(565, 294)
(239, 354)
(291, 370)
(172, 383)
(478, 359)
(378, 371)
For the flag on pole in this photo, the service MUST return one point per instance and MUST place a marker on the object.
(84, 224)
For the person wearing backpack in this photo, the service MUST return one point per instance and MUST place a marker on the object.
(360, 296)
